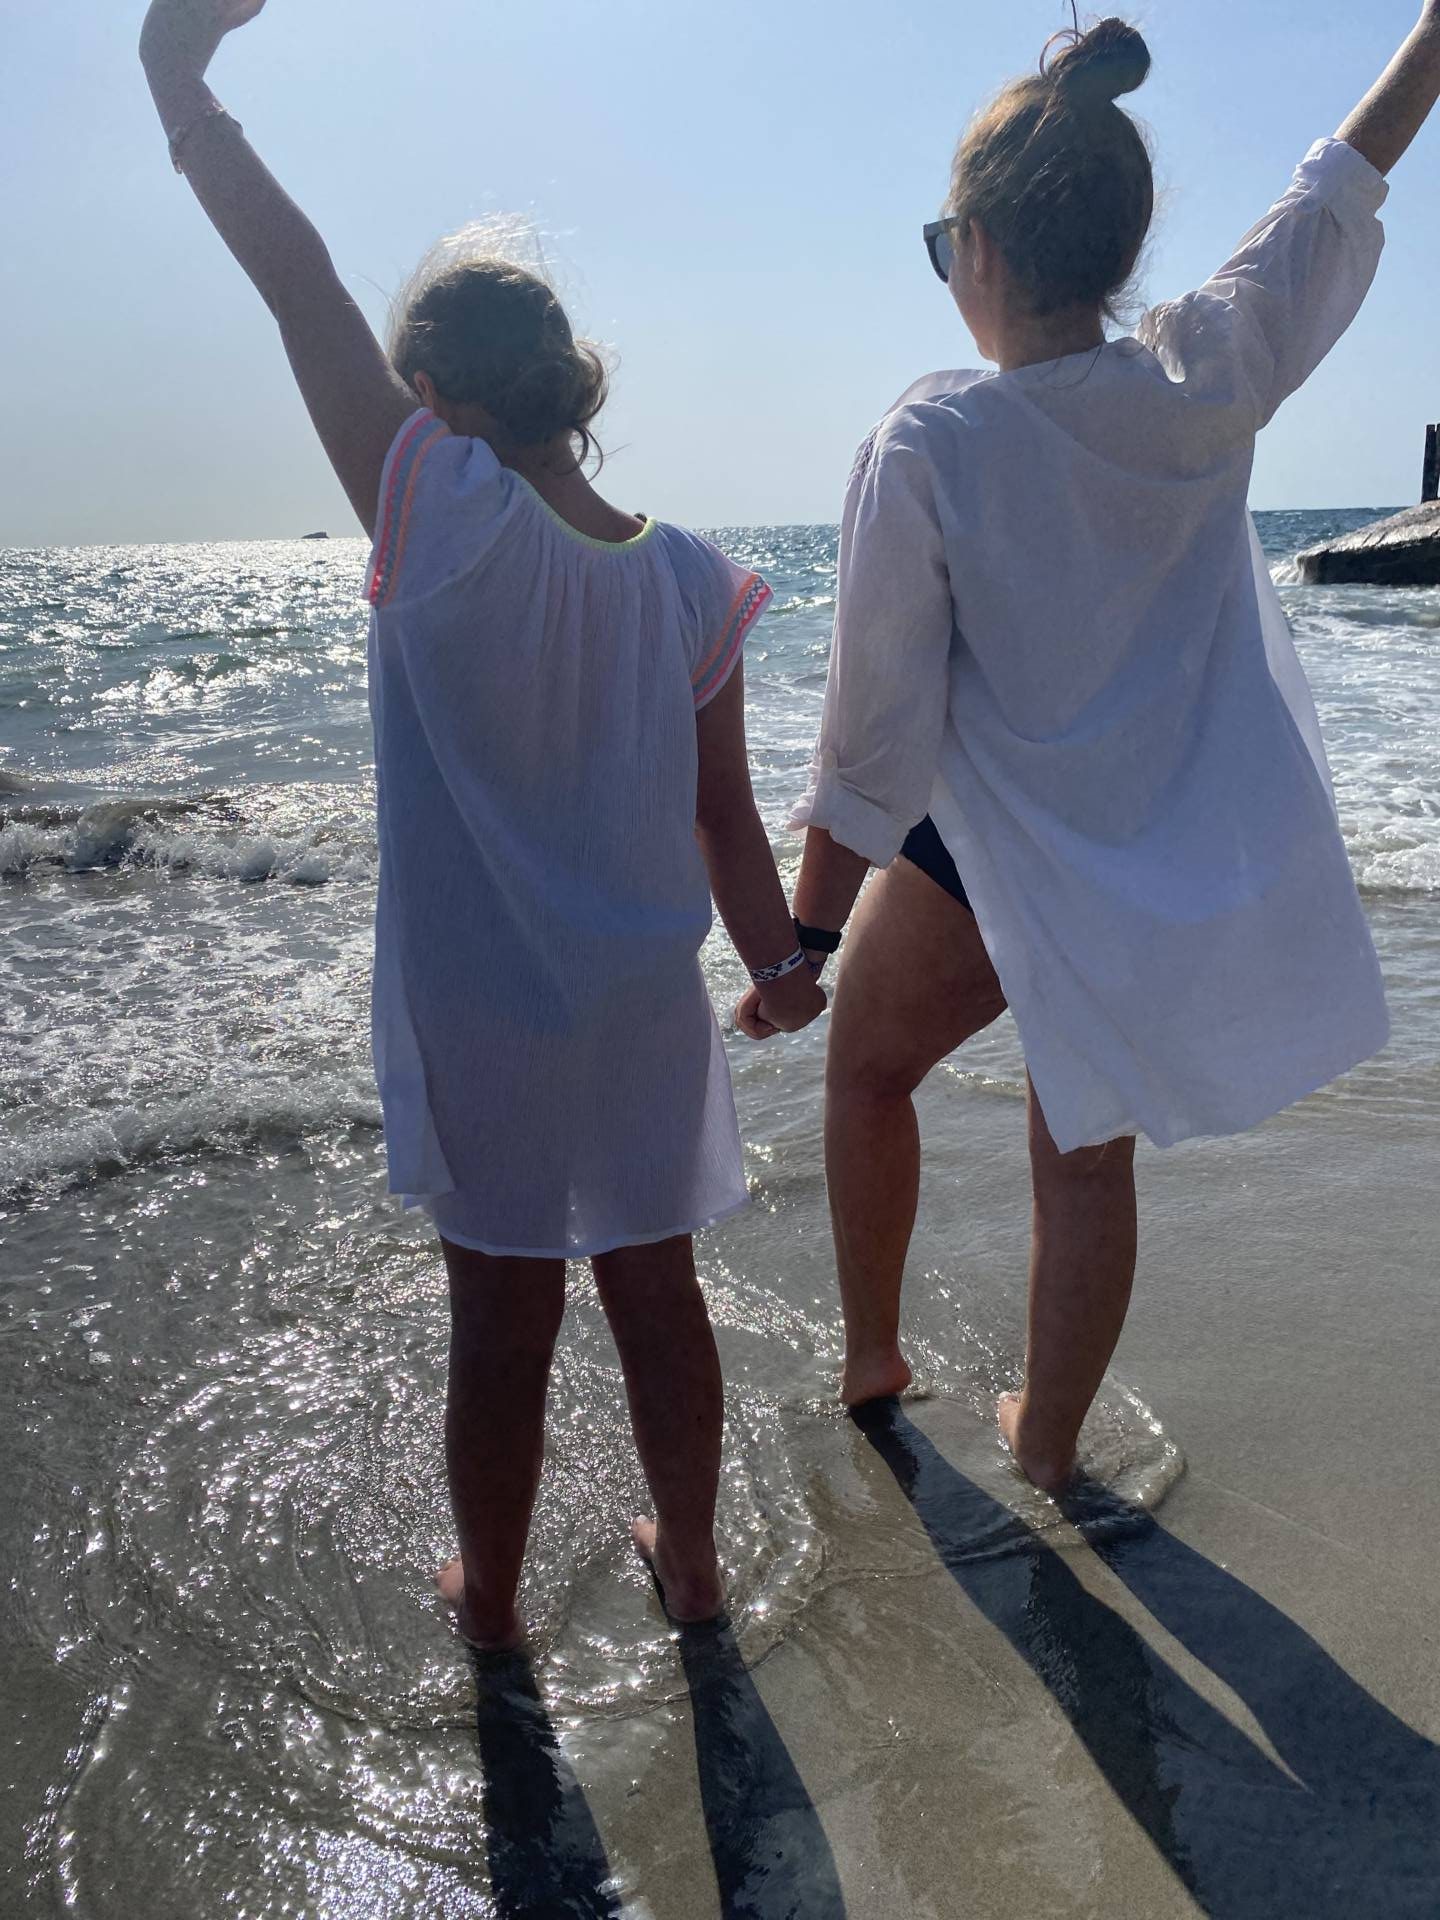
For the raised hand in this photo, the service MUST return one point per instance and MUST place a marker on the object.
(1385, 124)
(187, 32)
(354, 396)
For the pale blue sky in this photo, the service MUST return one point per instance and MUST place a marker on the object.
(733, 197)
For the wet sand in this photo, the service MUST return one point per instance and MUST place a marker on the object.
(1231, 1710)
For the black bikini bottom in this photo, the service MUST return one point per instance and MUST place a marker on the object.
(925, 849)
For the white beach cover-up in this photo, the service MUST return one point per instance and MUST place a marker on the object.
(552, 1076)
(1056, 634)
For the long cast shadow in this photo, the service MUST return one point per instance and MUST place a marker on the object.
(1346, 1828)
(772, 1859)
(546, 1858)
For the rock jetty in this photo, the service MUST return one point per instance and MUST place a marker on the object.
(1403, 551)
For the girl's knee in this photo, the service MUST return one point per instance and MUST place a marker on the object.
(645, 1279)
(518, 1301)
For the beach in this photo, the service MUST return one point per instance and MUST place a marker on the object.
(1210, 1687)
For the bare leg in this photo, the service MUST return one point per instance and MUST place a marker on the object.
(504, 1319)
(1082, 1268)
(657, 1314)
(916, 982)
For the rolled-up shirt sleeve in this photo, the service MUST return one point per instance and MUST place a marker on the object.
(888, 687)
(1291, 288)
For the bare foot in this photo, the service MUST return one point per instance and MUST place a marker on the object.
(689, 1597)
(1049, 1472)
(492, 1633)
(873, 1377)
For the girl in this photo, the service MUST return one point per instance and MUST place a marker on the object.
(1058, 650)
(560, 757)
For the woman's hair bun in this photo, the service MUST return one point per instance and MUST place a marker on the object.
(1095, 68)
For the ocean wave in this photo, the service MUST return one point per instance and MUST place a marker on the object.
(1399, 870)
(150, 833)
(244, 1112)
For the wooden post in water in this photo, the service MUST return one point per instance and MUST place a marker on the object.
(1430, 486)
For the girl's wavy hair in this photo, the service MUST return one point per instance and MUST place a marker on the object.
(492, 332)
(1059, 175)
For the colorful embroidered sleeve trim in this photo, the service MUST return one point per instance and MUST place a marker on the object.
(746, 608)
(407, 457)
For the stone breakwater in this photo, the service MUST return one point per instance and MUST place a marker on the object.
(1403, 551)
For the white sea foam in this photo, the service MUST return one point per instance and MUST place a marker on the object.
(247, 1108)
(149, 833)
(1402, 870)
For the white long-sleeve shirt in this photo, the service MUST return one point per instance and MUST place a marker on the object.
(1055, 634)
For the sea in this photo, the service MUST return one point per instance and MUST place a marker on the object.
(222, 1344)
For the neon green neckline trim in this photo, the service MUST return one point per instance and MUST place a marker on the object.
(586, 539)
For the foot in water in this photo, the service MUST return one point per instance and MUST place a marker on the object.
(1052, 1472)
(691, 1596)
(877, 1376)
(491, 1633)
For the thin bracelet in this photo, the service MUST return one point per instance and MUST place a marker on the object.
(766, 976)
(212, 110)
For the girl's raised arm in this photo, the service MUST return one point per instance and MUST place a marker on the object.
(1383, 127)
(356, 400)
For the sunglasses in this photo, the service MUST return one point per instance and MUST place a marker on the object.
(940, 245)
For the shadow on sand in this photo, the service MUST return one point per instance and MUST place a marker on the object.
(545, 1854)
(1347, 1828)
(772, 1860)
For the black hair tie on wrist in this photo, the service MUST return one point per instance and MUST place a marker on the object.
(817, 939)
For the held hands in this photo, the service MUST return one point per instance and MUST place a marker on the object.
(784, 1006)
(185, 33)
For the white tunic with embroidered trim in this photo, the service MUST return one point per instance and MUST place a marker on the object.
(1056, 634)
(551, 1073)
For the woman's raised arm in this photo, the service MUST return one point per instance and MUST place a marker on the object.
(1384, 125)
(356, 400)
(1279, 304)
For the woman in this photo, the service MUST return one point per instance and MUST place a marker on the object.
(1057, 649)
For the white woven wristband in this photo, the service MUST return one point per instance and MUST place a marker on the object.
(765, 976)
